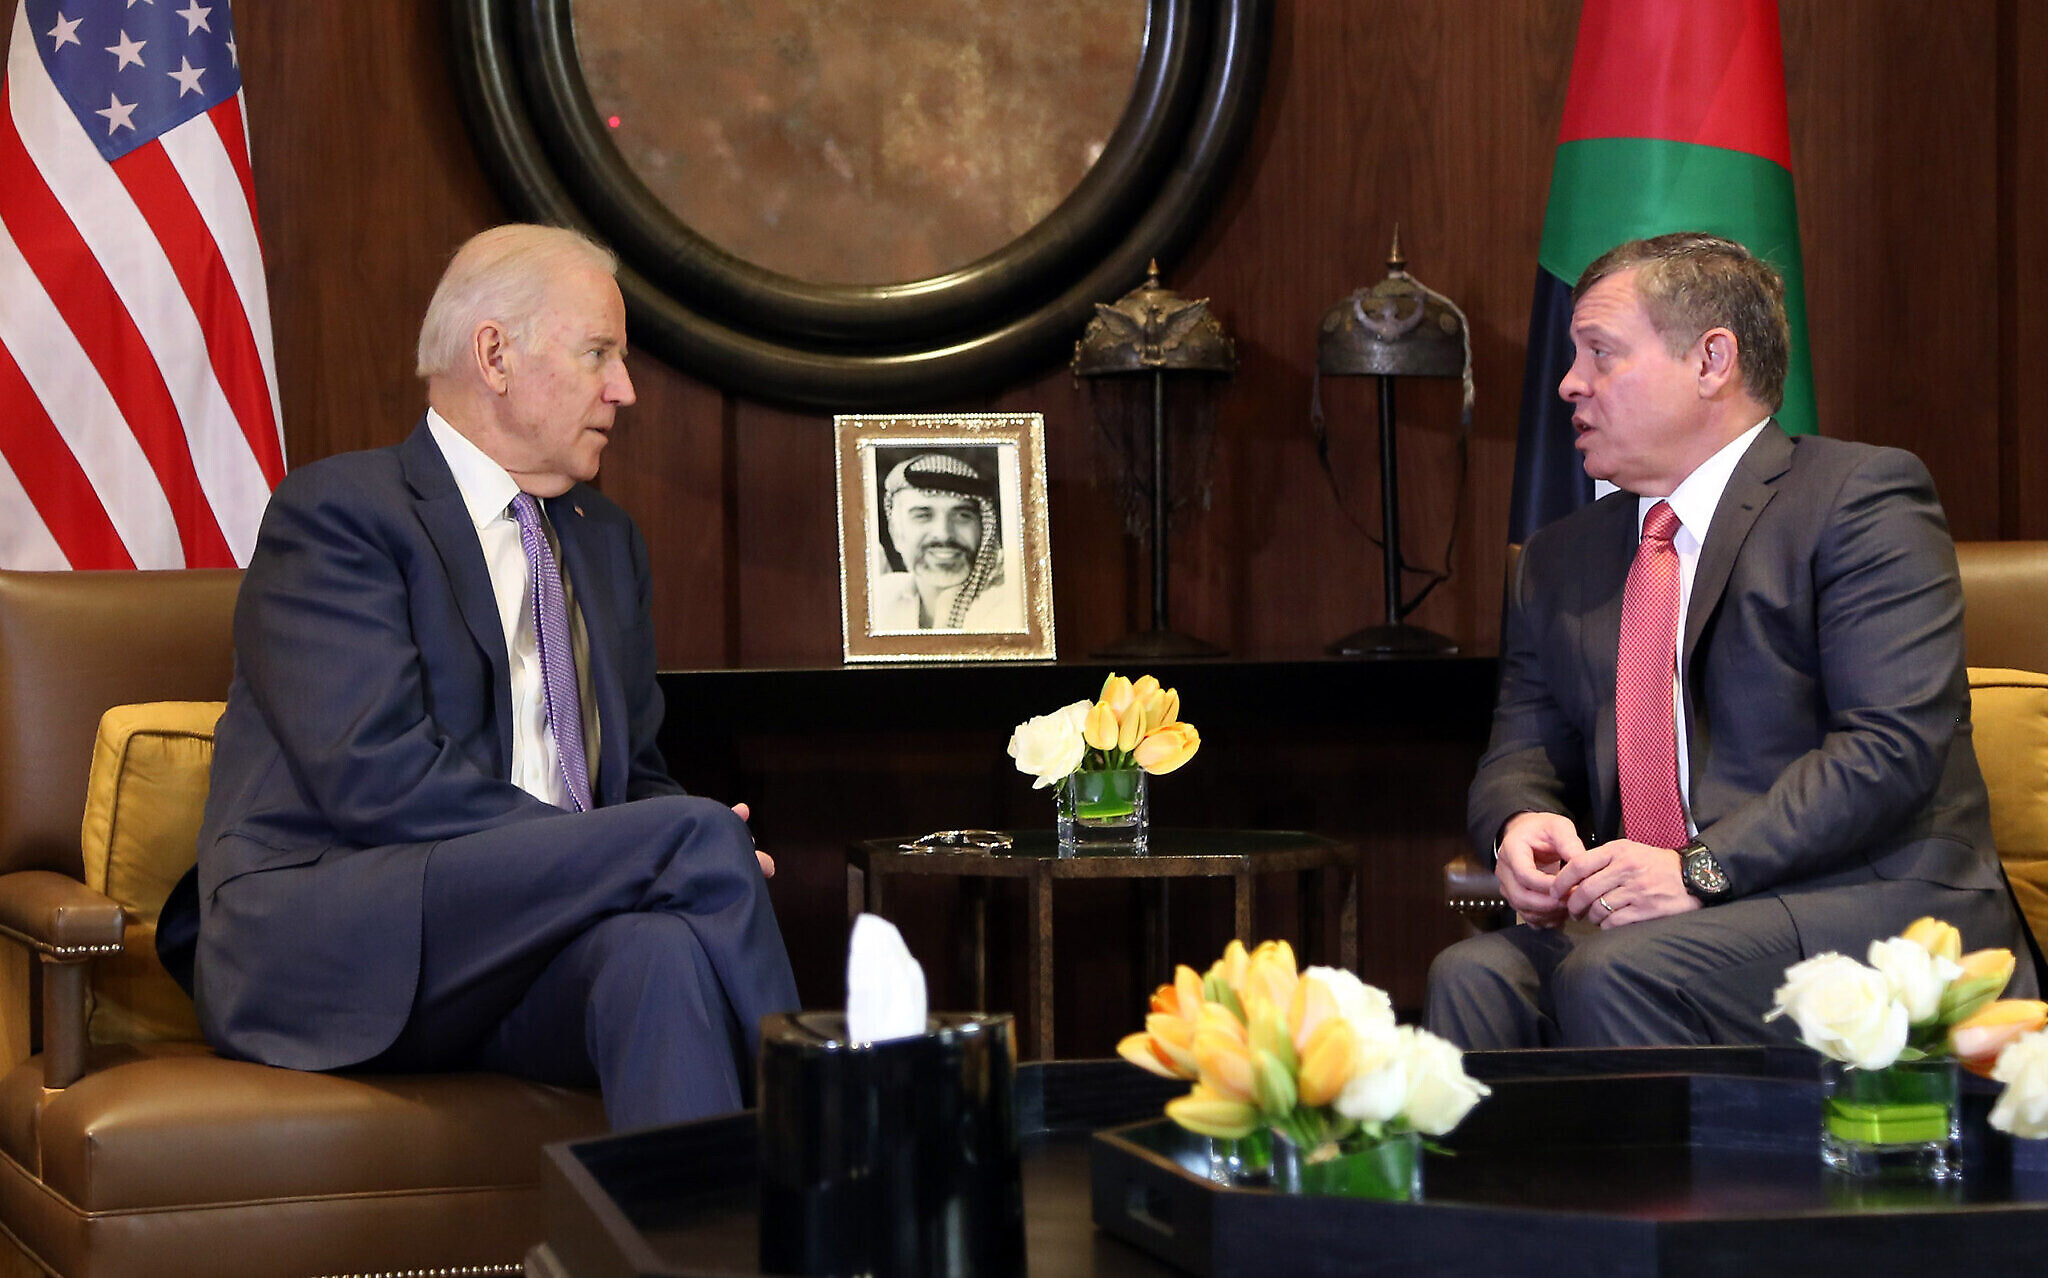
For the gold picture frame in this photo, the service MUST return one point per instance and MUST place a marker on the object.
(945, 601)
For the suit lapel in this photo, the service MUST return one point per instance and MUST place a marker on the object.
(584, 559)
(446, 519)
(1750, 488)
(1748, 492)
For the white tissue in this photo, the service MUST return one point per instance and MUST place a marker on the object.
(884, 985)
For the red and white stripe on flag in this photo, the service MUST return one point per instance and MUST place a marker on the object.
(139, 423)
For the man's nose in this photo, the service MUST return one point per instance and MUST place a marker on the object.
(619, 387)
(1572, 386)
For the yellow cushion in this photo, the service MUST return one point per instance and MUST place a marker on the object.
(143, 804)
(2009, 709)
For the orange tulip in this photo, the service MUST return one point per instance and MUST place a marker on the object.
(1978, 1040)
(1169, 746)
(1116, 693)
(1143, 1051)
(1985, 976)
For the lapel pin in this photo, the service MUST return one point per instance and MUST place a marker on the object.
(579, 511)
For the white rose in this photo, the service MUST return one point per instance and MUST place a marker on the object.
(1379, 1086)
(1441, 1092)
(1050, 746)
(1844, 1010)
(1366, 1008)
(1917, 977)
(2022, 1109)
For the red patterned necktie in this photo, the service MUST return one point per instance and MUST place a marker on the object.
(1645, 737)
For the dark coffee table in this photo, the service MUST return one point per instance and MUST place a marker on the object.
(1239, 855)
(1656, 1162)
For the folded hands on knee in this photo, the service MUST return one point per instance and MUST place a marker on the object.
(1548, 874)
(742, 811)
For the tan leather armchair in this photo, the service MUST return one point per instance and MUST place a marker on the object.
(127, 1147)
(2005, 633)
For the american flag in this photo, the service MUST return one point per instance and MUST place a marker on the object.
(138, 392)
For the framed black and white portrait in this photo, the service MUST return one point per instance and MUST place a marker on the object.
(943, 548)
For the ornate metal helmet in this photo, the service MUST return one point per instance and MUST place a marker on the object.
(1398, 327)
(1151, 328)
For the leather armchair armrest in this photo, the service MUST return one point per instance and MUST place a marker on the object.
(1471, 890)
(65, 923)
(57, 916)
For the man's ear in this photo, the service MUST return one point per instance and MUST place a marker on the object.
(490, 346)
(1716, 356)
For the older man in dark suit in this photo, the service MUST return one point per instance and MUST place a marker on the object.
(1733, 728)
(440, 833)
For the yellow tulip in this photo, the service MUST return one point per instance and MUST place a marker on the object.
(1150, 712)
(1116, 693)
(1229, 972)
(1985, 975)
(1266, 1030)
(1173, 1042)
(1936, 937)
(1207, 1114)
(1169, 705)
(1169, 746)
(1978, 1040)
(1226, 1066)
(1145, 686)
(1273, 1084)
(1327, 1062)
(1099, 730)
(1311, 1006)
(1270, 975)
(1131, 726)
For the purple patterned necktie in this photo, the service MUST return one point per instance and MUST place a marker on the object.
(557, 658)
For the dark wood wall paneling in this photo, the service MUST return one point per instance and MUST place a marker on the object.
(1918, 136)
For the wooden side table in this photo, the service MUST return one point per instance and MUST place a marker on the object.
(1240, 855)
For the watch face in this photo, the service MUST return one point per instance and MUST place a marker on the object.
(1704, 873)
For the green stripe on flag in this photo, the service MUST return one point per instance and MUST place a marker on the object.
(1607, 190)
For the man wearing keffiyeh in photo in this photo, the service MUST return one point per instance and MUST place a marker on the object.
(943, 542)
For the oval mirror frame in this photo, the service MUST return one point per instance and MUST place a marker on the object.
(964, 333)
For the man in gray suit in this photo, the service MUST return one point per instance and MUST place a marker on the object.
(1734, 726)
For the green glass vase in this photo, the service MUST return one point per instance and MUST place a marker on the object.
(1388, 1169)
(1899, 1122)
(1104, 813)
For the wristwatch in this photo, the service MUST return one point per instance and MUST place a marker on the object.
(1703, 875)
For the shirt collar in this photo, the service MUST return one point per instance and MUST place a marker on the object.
(487, 488)
(1695, 499)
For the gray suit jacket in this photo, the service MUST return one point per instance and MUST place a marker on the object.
(1827, 708)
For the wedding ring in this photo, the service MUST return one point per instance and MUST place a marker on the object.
(1605, 906)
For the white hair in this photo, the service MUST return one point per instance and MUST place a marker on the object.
(502, 274)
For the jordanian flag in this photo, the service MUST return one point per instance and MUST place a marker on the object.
(1675, 121)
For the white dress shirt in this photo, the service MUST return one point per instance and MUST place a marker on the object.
(1693, 501)
(487, 492)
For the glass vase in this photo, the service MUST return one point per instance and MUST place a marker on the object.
(1104, 813)
(1899, 1122)
(1388, 1169)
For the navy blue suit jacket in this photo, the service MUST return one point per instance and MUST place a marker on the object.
(370, 717)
